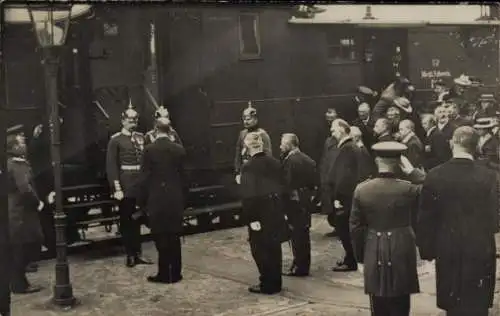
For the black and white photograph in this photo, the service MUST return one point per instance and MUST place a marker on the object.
(249, 158)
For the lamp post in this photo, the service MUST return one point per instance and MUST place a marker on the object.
(51, 23)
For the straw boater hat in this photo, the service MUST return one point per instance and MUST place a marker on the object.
(487, 97)
(485, 123)
(404, 104)
(463, 81)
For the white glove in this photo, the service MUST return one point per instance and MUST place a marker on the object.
(238, 179)
(337, 204)
(118, 195)
(40, 206)
(51, 198)
(255, 226)
(406, 165)
(427, 148)
(38, 130)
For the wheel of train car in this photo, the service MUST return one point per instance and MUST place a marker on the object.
(204, 221)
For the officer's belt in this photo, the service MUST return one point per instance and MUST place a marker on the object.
(130, 167)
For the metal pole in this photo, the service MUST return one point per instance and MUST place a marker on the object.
(63, 291)
(4, 213)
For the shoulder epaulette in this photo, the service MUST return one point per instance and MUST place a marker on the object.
(115, 135)
(403, 181)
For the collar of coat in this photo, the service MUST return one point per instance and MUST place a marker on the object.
(407, 137)
(344, 140)
(291, 152)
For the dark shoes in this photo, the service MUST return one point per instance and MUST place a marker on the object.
(32, 268)
(30, 289)
(158, 279)
(257, 289)
(345, 268)
(296, 272)
(132, 261)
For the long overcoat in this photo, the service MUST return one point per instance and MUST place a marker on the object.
(162, 185)
(458, 218)
(383, 211)
(24, 223)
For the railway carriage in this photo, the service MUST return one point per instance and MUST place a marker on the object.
(207, 63)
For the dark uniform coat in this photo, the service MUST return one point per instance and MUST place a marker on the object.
(300, 177)
(457, 221)
(124, 151)
(24, 223)
(162, 185)
(383, 211)
(262, 186)
(241, 157)
(385, 138)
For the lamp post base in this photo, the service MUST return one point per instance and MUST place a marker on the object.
(63, 296)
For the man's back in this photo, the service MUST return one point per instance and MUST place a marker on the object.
(457, 221)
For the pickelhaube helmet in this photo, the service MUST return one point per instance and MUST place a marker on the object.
(161, 112)
(130, 112)
(250, 110)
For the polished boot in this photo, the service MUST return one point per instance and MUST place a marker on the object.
(141, 260)
(258, 289)
(28, 290)
(130, 261)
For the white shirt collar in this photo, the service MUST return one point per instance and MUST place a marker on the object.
(19, 159)
(407, 137)
(343, 140)
(442, 125)
(126, 132)
(430, 130)
(463, 155)
(495, 130)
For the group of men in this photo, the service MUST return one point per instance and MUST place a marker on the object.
(383, 180)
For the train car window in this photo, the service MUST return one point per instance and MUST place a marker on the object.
(341, 48)
(249, 36)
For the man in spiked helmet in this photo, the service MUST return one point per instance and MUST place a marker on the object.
(251, 124)
(153, 134)
(124, 155)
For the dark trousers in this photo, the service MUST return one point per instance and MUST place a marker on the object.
(169, 255)
(342, 228)
(5, 267)
(268, 256)
(301, 249)
(467, 312)
(390, 306)
(130, 229)
(20, 259)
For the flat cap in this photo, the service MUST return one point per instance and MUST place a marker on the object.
(390, 149)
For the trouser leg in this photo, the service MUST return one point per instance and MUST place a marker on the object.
(399, 306)
(301, 248)
(175, 256)
(379, 306)
(345, 238)
(18, 280)
(159, 240)
(130, 229)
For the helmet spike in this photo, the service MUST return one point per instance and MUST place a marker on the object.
(130, 106)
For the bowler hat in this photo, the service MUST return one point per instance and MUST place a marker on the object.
(391, 149)
(487, 97)
(403, 103)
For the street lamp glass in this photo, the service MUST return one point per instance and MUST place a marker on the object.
(51, 23)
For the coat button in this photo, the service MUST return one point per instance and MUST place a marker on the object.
(379, 263)
(389, 234)
(379, 234)
(389, 263)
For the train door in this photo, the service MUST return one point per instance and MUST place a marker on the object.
(385, 54)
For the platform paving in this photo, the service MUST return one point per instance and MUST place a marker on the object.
(218, 268)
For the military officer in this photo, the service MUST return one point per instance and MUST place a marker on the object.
(153, 134)
(251, 124)
(262, 186)
(123, 159)
(383, 211)
(300, 176)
